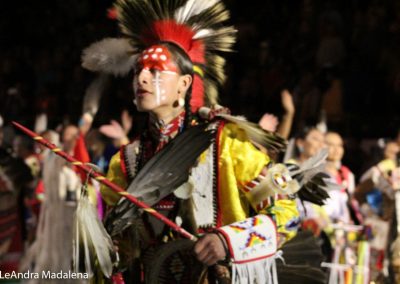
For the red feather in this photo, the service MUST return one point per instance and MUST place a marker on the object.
(197, 100)
(197, 52)
(197, 55)
(181, 35)
(112, 13)
(169, 30)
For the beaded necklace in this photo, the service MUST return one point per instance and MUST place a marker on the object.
(162, 133)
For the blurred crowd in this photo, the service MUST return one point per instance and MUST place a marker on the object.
(337, 56)
(324, 73)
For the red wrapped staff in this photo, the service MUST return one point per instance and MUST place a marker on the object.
(102, 179)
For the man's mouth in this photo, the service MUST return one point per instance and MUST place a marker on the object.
(140, 93)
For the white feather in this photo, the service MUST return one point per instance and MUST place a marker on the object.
(96, 241)
(40, 123)
(192, 8)
(202, 33)
(312, 166)
(93, 94)
(75, 246)
(290, 151)
(110, 55)
(235, 119)
(315, 161)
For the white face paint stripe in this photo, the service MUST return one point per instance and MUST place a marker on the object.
(169, 72)
(156, 82)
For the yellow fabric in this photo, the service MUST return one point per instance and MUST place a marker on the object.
(239, 163)
(387, 165)
(116, 176)
(285, 211)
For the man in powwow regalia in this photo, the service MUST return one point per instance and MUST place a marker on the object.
(195, 163)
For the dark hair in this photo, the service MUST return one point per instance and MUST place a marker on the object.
(185, 66)
(302, 134)
(180, 57)
(26, 143)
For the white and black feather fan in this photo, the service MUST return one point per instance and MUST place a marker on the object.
(161, 175)
(314, 183)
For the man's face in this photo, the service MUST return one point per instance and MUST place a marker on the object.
(17, 148)
(391, 151)
(335, 147)
(312, 143)
(157, 80)
(69, 137)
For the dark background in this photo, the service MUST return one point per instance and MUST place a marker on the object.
(341, 56)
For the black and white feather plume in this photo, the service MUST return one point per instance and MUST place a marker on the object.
(314, 183)
(161, 175)
(257, 134)
(197, 26)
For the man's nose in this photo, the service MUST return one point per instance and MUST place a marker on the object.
(144, 77)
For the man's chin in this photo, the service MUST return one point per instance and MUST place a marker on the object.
(144, 108)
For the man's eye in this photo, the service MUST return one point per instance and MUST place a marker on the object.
(153, 71)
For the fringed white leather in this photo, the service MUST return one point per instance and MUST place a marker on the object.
(253, 248)
(203, 192)
(260, 272)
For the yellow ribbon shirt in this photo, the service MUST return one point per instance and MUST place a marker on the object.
(239, 162)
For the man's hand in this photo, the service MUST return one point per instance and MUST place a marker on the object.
(127, 121)
(209, 249)
(287, 102)
(269, 122)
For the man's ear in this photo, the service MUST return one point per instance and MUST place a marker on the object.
(185, 83)
(299, 142)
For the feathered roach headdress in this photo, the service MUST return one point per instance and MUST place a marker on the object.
(196, 26)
